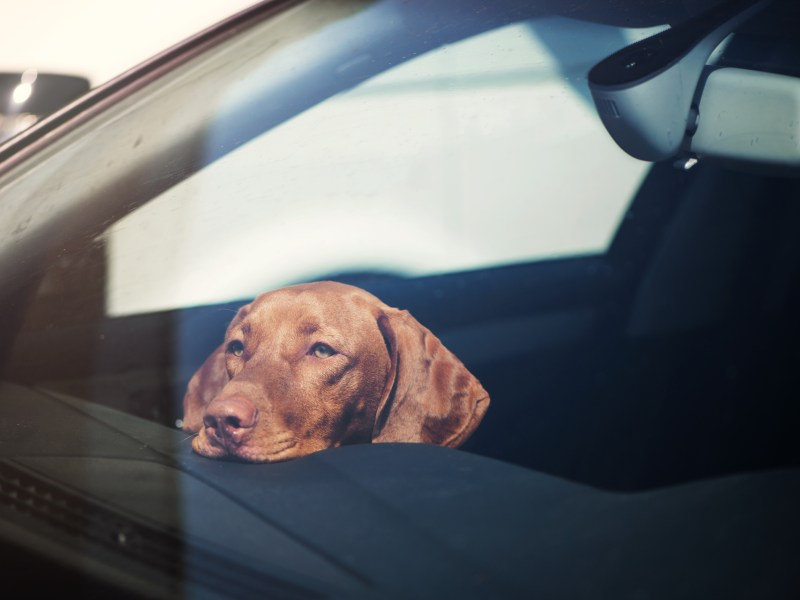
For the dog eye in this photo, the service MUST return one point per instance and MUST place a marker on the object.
(236, 348)
(322, 350)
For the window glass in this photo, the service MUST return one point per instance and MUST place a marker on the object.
(480, 153)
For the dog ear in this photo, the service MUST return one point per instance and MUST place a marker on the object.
(203, 387)
(430, 396)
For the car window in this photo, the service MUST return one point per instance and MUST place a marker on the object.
(480, 153)
(299, 151)
(631, 327)
(463, 177)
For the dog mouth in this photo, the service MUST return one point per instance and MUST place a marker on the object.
(275, 450)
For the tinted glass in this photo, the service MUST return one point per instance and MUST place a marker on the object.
(633, 324)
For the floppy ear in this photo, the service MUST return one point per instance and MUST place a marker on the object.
(430, 397)
(203, 387)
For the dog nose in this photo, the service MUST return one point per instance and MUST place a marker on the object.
(230, 419)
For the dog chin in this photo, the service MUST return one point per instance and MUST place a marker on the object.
(276, 452)
(205, 448)
(261, 455)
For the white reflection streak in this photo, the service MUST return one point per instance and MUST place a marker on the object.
(24, 89)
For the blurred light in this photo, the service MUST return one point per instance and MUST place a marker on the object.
(29, 76)
(11, 125)
(24, 90)
(21, 93)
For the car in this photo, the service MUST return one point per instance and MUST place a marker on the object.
(622, 281)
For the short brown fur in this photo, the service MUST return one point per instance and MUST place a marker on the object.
(271, 391)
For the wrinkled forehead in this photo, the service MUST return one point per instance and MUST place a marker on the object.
(306, 311)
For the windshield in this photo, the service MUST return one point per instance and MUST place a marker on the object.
(464, 177)
(360, 299)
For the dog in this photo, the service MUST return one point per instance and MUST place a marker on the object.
(321, 365)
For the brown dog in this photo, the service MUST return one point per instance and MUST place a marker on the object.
(320, 365)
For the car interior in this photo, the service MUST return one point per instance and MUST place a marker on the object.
(682, 333)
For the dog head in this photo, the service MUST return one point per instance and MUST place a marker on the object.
(320, 365)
